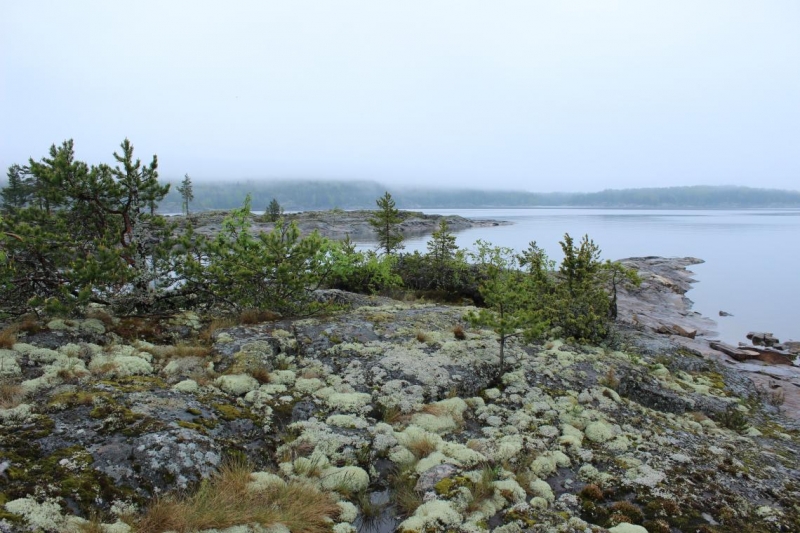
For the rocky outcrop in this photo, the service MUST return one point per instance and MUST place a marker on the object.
(762, 339)
(660, 303)
(381, 401)
(337, 225)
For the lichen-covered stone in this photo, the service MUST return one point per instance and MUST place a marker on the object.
(349, 478)
(237, 384)
(599, 432)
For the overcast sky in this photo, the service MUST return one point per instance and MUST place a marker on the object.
(542, 96)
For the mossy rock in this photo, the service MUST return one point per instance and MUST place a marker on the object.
(135, 383)
(70, 476)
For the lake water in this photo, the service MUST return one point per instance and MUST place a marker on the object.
(752, 262)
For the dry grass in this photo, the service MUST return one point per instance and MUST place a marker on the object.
(261, 375)
(630, 510)
(256, 316)
(165, 353)
(68, 374)
(422, 447)
(402, 483)
(224, 501)
(476, 445)
(73, 398)
(8, 337)
(28, 324)
(207, 335)
(101, 315)
(483, 488)
(11, 394)
(610, 380)
(392, 415)
(312, 372)
(137, 328)
(422, 336)
(459, 333)
(435, 410)
(105, 368)
(697, 416)
(592, 492)
(371, 512)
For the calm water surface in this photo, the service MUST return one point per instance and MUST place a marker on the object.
(752, 262)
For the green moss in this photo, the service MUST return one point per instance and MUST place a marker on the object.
(68, 472)
(208, 423)
(194, 411)
(73, 398)
(228, 412)
(117, 417)
(519, 516)
(444, 486)
(135, 383)
(192, 426)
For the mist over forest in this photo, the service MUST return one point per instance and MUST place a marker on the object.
(317, 195)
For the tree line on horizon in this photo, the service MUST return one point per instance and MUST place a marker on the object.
(322, 195)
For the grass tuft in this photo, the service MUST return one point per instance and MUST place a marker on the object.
(482, 489)
(261, 375)
(401, 483)
(459, 333)
(207, 335)
(371, 512)
(8, 337)
(256, 316)
(11, 394)
(224, 501)
(422, 447)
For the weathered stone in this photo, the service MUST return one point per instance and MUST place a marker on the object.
(762, 339)
(428, 479)
(736, 353)
(690, 333)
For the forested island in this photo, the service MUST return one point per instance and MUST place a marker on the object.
(303, 195)
(258, 378)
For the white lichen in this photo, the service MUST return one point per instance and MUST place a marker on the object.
(237, 384)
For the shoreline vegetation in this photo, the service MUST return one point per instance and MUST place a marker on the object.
(316, 195)
(335, 224)
(250, 373)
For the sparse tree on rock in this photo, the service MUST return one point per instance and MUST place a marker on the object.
(187, 194)
(274, 211)
(386, 223)
(511, 309)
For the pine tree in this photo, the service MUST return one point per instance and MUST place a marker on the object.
(84, 232)
(386, 222)
(582, 305)
(511, 307)
(18, 190)
(274, 211)
(444, 257)
(187, 195)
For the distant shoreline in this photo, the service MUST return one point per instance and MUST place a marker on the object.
(348, 195)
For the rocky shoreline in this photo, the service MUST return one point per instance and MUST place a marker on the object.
(337, 224)
(400, 402)
(660, 306)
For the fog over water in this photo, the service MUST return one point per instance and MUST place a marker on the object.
(750, 256)
(544, 96)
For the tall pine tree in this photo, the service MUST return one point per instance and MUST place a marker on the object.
(386, 223)
(187, 194)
